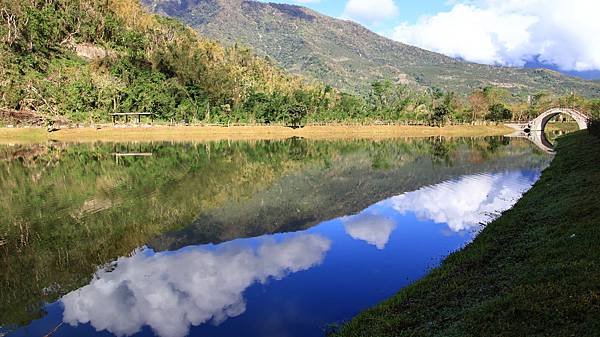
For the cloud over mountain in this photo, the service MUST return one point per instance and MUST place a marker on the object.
(511, 32)
(370, 11)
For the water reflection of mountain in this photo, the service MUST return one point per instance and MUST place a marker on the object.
(302, 199)
(70, 208)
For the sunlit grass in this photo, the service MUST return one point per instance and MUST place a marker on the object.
(210, 133)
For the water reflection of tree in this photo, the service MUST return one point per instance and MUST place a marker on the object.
(298, 148)
(73, 208)
(441, 151)
(496, 143)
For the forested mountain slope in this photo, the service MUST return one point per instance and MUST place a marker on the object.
(347, 55)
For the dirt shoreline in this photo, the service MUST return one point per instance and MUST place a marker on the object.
(213, 133)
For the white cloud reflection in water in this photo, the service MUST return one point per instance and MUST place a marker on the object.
(465, 203)
(462, 204)
(371, 228)
(171, 291)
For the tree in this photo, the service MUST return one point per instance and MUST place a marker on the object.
(296, 114)
(443, 110)
(594, 108)
(440, 115)
(479, 104)
(380, 94)
(495, 95)
(436, 93)
(499, 112)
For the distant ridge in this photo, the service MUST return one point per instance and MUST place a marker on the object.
(348, 56)
(592, 75)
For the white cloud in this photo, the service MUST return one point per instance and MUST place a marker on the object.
(371, 228)
(171, 291)
(511, 32)
(465, 203)
(370, 11)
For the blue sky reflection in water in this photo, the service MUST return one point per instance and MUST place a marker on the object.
(290, 284)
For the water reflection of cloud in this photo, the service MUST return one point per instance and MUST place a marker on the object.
(171, 291)
(371, 228)
(465, 203)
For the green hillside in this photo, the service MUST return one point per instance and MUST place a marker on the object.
(80, 60)
(347, 55)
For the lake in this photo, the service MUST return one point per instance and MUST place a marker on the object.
(263, 238)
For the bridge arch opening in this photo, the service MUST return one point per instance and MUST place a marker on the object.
(539, 124)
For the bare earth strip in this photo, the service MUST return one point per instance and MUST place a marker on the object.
(212, 133)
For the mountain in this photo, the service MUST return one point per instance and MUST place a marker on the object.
(345, 54)
(592, 75)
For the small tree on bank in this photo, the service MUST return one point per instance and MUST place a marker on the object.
(443, 111)
(440, 115)
(297, 115)
(499, 112)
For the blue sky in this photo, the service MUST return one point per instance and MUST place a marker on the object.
(409, 10)
(558, 33)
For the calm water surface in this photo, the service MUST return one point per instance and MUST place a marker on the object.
(281, 238)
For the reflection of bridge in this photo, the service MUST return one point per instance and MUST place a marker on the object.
(537, 137)
(534, 130)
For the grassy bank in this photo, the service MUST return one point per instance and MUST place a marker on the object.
(532, 272)
(208, 133)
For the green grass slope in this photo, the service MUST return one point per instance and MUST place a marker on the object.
(532, 272)
(347, 55)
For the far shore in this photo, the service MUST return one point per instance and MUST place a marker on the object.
(110, 133)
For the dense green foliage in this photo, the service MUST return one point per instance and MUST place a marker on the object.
(386, 101)
(84, 59)
(532, 272)
(499, 112)
(346, 55)
(594, 127)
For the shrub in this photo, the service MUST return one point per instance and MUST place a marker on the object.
(594, 127)
(499, 112)
(297, 114)
(594, 121)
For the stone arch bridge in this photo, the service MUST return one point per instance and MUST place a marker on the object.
(534, 130)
